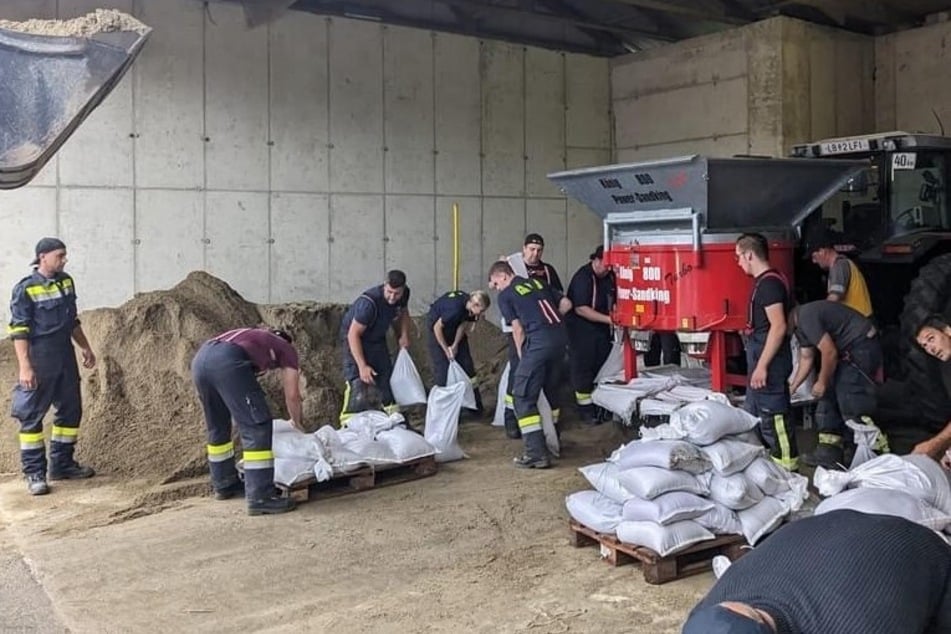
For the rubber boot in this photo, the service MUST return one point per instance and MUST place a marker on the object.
(828, 456)
(588, 414)
(261, 495)
(536, 453)
(511, 424)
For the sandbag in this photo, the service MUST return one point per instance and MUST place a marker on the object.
(613, 367)
(649, 482)
(442, 421)
(706, 422)
(548, 425)
(878, 501)
(372, 452)
(595, 510)
(369, 423)
(604, 478)
(804, 391)
(405, 445)
(341, 459)
(617, 399)
(883, 472)
(666, 454)
(768, 476)
(721, 520)
(457, 375)
(939, 479)
(405, 382)
(668, 508)
(734, 491)
(731, 456)
(865, 437)
(663, 540)
(499, 419)
(290, 471)
(288, 442)
(762, 518)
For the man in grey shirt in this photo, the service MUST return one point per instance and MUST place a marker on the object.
(851, 368)
(846, 283)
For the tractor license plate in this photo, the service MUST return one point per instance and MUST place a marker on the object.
(847, 146)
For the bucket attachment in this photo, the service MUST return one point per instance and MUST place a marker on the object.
(49, 84)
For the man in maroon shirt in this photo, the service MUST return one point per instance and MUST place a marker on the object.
(225, 372)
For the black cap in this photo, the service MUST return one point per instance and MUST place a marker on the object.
(598, 253)
(534, 238)
(45, 246)
(817, 239)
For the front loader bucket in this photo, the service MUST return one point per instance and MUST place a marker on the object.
(48, 86)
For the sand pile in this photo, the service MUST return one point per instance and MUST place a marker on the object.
(99, 21)
(142, 418)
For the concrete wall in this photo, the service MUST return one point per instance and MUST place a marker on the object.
(912, 80)
(758, 89)
(302, 160)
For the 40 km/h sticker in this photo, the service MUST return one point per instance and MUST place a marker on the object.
(903, 160)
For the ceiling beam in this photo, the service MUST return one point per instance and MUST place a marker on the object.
(691, 10)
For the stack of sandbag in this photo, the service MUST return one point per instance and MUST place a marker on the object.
(914, 487)
(623, 399)
(371, 438)
(701, 475)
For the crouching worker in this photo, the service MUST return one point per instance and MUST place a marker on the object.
(535, 310)
(843, 571)
(934, 336)
(225, 371)
(366, 359)
(849, 373)
(448, 339)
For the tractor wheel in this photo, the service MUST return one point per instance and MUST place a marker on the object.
(928, 379)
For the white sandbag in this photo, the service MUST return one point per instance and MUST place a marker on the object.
(658, 406)
(734, 491)
(603, 476)
(613, 367)
(372, 452)
(666, 454)
(939, 479)
(617, 399)
(664, 431)
(290, 471)
(663, 540)
(706, 422)
(721, 521)
(762, 519)
(341, 459)
(878, 501)
(595, 510)
(369, 423)
(649, 482)
(442, 421)
(288, 442)
(804, 391)
(865, 437)
(768, 476)
(405, 382)
(750, 437)
(456, 374)
(548, 425)
(668, 508)
(731, 456)
(499, 419)
(405, 444)
(883, 472)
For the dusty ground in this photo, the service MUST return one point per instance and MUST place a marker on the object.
(479, 547)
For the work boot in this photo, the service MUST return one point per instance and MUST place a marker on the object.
(234, 489)
(36, 484)
(828, 456)
(72, 471)
(511, 424)
(536, 453)
(588, 414)
(273, 505)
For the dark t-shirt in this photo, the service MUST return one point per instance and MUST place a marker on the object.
(768, 289)
(843, 324)
(451, 309)
(846, 572)
(546, 273)
(374, 312)
(587, 289)
(535, 305)
(266, 350)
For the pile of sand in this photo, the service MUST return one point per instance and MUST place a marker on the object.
(99, 21)
(142, 418)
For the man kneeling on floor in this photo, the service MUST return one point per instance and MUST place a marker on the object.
(934, 336)
(851, 369)
(225, 371)
(842, 572)
(535, 310)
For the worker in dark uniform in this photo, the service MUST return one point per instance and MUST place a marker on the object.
(43, 327)
(225, 371)
(366, 359)
(768, 355)
(535, 311)
(592, 291)
(664, 347)
(448, 339)
(849, 373)
(934, 336)
(845, 283)
(533, 248)
(841, 572)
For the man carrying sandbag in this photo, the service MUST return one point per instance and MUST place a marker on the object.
(850, 371)
(844, 572)
(592, 291)
(535, 311)
(225, 371)
(768, 356)
(448, 339)
(366, 359)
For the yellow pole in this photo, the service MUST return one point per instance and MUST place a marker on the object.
(455, 246)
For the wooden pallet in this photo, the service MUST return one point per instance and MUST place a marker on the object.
(362, 479)
(691, 561)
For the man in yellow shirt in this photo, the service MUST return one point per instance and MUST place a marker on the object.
(846, 283)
